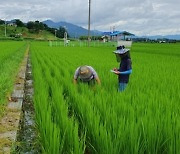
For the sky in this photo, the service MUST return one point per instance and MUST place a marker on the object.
(140, 17)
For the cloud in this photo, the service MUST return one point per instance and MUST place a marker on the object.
(142, 17)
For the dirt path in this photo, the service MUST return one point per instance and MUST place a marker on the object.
(27, 141)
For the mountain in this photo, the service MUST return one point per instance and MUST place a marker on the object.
(155, 37)
(73, 30)
(173, 37)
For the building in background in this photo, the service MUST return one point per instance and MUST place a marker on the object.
(117, 35)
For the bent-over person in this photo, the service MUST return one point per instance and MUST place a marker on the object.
(86, 74)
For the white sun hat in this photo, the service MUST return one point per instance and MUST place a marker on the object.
(85, 72)
(121, 50)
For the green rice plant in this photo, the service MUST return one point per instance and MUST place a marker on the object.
(66, 139)
(11, 55)
(142, 119)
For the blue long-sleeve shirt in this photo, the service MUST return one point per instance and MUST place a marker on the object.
(125, 70)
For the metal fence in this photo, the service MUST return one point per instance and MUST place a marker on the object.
(82, 43)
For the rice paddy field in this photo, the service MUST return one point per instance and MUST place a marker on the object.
(11, 55)
(81, 119)
(78, 119)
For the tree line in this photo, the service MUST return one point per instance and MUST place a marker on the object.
(37, 26)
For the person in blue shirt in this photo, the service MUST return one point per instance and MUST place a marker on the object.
(125, 68)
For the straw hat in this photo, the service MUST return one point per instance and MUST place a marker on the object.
(85, 72)
(121, 50)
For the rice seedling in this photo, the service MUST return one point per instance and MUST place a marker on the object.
(11, 55)
(80, 119)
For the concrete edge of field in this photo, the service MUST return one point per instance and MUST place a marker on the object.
(9, 124)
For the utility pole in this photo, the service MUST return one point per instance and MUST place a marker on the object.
(5, 28)
(55, 33)
(89, 17)
(113, 28)
(65, 39)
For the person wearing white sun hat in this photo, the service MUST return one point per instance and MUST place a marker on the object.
(125, 68)
(86, 74)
